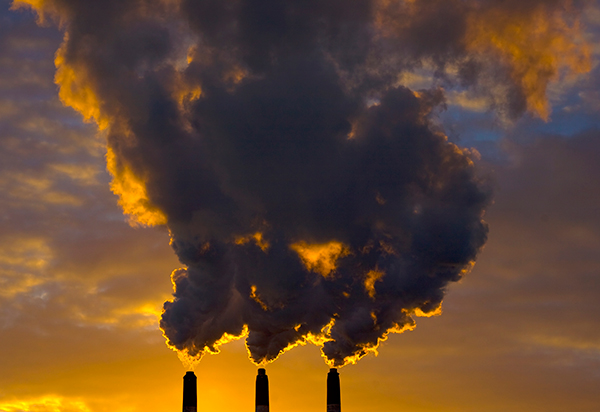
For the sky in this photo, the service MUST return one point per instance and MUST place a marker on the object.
(85, 264)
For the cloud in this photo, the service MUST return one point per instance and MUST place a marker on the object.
(260, 119)
(520, 331)
(538, 270)
(64, 244)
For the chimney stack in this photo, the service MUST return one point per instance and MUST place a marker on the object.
(262, 391)
(190, 400)
(333, 391)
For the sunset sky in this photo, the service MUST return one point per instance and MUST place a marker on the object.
(85, 270)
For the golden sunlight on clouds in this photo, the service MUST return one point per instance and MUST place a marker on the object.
(85, 174)
(437, 311)
(373, 348)
(191, 360)
(538, 45)
(468, 101)
(81, 291)
(76, 92)
(257, 238)
(373, 276)
(127, 316)
(132, 194)
(538, 49)
(58, 198)
(320, 258)
(315, 339)
(26, 255)
(567, 343)
(256, 297)
(23, 264)
(37, 5)
(184, 92)
(30, 188)
(12, 284)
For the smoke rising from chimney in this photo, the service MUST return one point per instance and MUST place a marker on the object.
(308, 194)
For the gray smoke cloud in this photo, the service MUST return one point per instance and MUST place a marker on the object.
(307, 192)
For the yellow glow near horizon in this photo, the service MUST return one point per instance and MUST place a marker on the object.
(50, 403)
(320, 258)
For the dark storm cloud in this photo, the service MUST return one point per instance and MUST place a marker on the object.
(317, 186)
(258, 128)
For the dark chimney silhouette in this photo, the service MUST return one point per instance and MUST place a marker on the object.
(334, 403)
(190, 399)
(262, 391)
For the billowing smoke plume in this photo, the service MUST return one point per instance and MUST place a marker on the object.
(307, 192)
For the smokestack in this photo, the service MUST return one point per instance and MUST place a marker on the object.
(333, 391)
(190, 400)
(262, 391)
